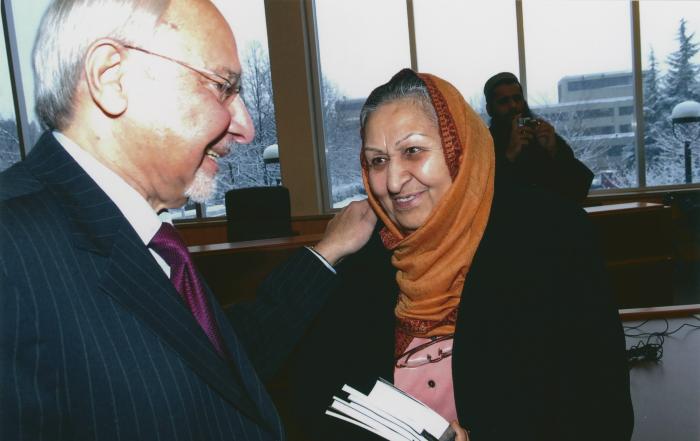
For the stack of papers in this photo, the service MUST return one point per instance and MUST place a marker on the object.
(391, 413)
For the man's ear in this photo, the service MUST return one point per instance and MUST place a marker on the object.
(104, 72)
(488, 110)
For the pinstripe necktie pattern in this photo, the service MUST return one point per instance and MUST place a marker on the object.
(170, 246)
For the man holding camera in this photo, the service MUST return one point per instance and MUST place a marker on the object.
(528, 150)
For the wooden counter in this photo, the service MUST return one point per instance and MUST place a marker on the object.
(635, 240)
(234, 270)
(637, 245)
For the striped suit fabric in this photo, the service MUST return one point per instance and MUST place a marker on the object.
(95, 342)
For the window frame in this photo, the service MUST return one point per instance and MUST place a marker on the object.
(307, 29)
(637, 108)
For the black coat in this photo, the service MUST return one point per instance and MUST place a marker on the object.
(564, 174)
(538, 348)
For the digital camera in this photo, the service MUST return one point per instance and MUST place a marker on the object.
(529, 122)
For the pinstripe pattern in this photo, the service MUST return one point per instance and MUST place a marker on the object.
(95, 342)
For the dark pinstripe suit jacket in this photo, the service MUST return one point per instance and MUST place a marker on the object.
(95, 341)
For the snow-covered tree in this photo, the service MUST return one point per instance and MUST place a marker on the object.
(9, 144)
(655, 109)
(244, 166)
(683, 78)
(664, 153)
(258, 94)
(341, 125)
(655, 113)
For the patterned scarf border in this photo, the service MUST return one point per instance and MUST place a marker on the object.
(451, 145)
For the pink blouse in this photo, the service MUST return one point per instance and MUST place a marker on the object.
(431, 383)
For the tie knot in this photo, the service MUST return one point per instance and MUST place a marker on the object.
(169, 245)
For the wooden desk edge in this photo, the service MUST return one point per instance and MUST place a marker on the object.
(659, 312)
(625, 207)
(262, 244)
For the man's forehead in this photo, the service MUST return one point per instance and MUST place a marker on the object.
(502, 90)
(197, 27)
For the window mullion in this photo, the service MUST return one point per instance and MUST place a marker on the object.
(638, 93)
(316, 90)
(410, 18)
(21, 119)
(521, 45)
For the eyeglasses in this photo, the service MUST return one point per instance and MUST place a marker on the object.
(226, 88)
(426, 353)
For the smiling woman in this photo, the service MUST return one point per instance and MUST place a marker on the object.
(457, 296)
(407, 171)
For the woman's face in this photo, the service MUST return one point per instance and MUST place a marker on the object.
(407, 170)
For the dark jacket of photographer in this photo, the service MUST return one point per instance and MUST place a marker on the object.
(562, 174)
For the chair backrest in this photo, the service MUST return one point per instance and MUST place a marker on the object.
(258, 213)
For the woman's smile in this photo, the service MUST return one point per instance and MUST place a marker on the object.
(406, 202)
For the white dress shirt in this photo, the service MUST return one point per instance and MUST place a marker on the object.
(133, 206)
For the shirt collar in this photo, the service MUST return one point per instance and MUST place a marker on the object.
(133, 206)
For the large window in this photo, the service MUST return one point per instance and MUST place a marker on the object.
(27, 16)
(255, 164)
(578, 59)
(671, 63)
(466, 43)
(361, 44)
(9, 142)
(579, 62)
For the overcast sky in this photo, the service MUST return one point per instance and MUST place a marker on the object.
(466, 42)
(363, 42)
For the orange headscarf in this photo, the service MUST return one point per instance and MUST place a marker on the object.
(432, 262)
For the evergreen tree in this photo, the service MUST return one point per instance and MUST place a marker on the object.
(654, 108)
(653, 112)
(682, 82)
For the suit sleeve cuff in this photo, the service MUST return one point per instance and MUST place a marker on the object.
(322, 259)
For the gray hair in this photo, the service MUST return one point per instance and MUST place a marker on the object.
(405, 85)
(67, 30)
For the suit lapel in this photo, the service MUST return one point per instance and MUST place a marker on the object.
(243, 368)
(132, 277)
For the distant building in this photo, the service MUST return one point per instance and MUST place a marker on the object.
(596, 111)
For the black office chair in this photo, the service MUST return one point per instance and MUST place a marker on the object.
(258, 213)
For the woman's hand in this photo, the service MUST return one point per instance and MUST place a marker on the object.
(347, 232)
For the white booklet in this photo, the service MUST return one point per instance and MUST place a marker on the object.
(391, 414)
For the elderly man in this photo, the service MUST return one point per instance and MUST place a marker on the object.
(528, 151)
(107, 332)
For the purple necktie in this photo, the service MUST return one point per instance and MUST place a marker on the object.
(169, 245)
